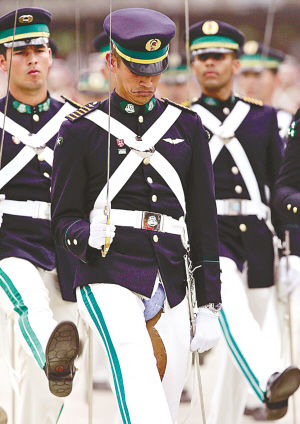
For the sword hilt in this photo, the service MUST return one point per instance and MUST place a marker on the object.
(107, 242)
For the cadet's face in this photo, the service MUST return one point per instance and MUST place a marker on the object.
(269, 83)
(136, 89)
(30, 66)
(249, 84)
(215, 71)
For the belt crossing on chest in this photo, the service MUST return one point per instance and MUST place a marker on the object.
(34, 143)
(139, 150)
(224, 136)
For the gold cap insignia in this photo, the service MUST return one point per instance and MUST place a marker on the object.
(210, 28)
(153, 45)
(251, 47)
(26, 19)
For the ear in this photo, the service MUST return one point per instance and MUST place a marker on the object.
(236, 65)
(50, 56)
(111, 61)
(3, 63)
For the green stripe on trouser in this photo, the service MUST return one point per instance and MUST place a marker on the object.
(15, 297)
(240, 359)
(97, 317)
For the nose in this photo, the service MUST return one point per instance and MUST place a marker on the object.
(146, 81)
(31, 57)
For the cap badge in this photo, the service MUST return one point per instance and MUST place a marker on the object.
(153, 44)
(251, 47)
(210, 28)
(25, 19)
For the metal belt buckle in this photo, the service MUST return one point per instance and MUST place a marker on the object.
(151, 221)
(234, 207)
(44, 211)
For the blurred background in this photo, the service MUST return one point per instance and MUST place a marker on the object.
(78, 71)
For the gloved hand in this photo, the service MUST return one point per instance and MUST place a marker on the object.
(289, 279)
(2, 197)
(99, 230)
(207, 332)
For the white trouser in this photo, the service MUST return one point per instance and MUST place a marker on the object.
(117, 315)
(250, 359)
(30, 296)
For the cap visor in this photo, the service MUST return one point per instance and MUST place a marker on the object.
(148, 70)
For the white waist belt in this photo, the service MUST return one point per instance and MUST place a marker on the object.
(144, 220)
(30, 208)
(234, 207)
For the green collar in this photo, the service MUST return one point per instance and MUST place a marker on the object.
(23, 108)
(212, 101)
(133, 109)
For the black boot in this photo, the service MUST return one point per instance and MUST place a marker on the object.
(61, 351)
(280, 387)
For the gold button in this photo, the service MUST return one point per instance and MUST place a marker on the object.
(155, 238)
(238, 189)
(75, 242)
(149, 179)
(36, 117)
(69, 242)
(243, 227)
(154, 198)
(50, 189)
(295, 209)
(141, 119)
(41, 157)
(235, 170)
(46, 175)
(146, 161)
(289, 206)
(226, 111)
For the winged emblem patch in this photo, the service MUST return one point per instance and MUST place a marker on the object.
(173, 140)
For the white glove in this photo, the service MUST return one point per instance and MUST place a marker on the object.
(289, 279)
(2, 197)
(207, 332)
(99, 230)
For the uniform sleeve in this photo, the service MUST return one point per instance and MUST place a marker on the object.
(202, 220)
(70, 224)
(287, 190)
(273, 163)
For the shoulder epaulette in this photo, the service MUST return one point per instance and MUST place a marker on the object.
(182, 107)
(252, 101)
(82, 111)
(71, 101)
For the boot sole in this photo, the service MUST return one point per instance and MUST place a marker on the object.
(61, 351)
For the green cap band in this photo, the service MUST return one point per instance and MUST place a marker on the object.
(214, 41)
(135, 56)
(248, 60)
(22, 32)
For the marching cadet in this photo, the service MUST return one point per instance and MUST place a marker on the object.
(286, 201)
(160, 172)
(258, 78)
(28, 256)
(246, 152)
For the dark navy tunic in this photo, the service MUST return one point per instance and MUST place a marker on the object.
(287, 195)
(26, 237)
(134, 258)
(259, 137)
